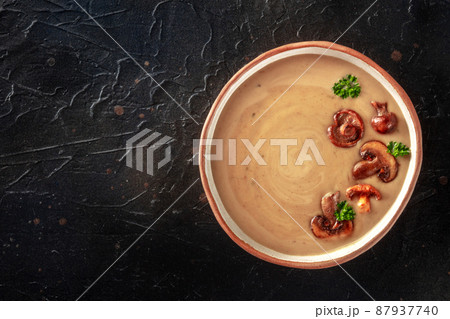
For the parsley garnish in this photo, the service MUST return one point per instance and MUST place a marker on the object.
(347, 86)
(398, 149)
(344, 211)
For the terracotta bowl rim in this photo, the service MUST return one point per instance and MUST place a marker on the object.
(417, 165)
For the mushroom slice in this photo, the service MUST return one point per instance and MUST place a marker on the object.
(329, 206)
(376, 160)
(326, 225)
(364, 192)
(384, 122)
(322, 228)
(347, 228)
(347, 130)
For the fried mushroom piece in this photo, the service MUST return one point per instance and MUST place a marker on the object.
(384, 122)
(326, 225)
(347, 130)
(320, 227)
(364, 192)
(376, 160)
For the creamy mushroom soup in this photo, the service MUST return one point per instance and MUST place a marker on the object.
(305, 112)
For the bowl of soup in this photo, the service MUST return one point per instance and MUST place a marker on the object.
(282, 151)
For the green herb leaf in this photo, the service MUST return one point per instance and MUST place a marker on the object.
(398, 149)
(344, 211)
(347, 86)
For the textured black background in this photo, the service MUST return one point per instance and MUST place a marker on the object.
(69, 206)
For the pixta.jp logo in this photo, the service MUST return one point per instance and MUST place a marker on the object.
(151, 142)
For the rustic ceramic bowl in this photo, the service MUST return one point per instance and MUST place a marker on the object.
(374, 235)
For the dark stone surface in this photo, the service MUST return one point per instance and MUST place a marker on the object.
(69, 206)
